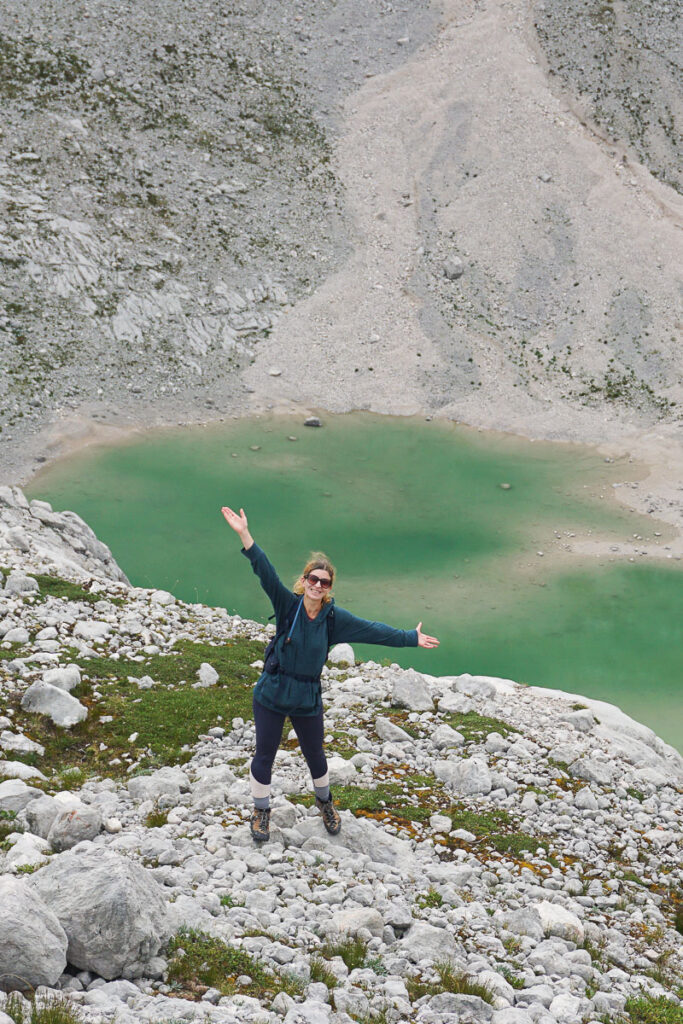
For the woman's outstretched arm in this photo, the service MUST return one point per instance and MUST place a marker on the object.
(350, 629)
(280, 597)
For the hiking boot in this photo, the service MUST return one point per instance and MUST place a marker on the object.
(331, 819)
(259, 824)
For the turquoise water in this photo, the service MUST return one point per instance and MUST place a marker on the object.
(415, 518)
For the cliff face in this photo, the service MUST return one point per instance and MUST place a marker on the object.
(507, 853)
(397, 197)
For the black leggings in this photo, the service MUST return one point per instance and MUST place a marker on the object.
(309, 730)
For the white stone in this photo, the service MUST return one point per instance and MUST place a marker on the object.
(207, 675)
(350, 921)
(32, 941)
(18, 635)
(566, 1008)
(15, 795)
(341, 654)
(444, 737)
(557, 920)
(342, 772)
(388, 730)
(17, 743)
(423, 941)
(64, 678)
(60, 706)
(411, 690)
(73, 825)
(441, 823)
(92, 630)
(162, 598)
(19, 770)
(27, 850)
(467, 777)
(17, 583)
(112, 910)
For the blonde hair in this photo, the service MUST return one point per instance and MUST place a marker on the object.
(317, 560)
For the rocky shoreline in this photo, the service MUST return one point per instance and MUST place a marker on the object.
(508, 854)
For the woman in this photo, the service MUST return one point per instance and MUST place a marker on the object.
(307, 624)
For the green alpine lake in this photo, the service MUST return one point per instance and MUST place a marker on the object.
(463, 530)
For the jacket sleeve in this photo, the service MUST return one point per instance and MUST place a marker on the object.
(350, 629)
(280, 597)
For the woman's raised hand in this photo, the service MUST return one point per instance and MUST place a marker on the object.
(238, 522)
(423, 640)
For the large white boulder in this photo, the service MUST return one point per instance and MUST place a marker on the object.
(15, 795)
(65, 678)
(19, 770)
(112, 910)
(92, 629)
(342, 772)
(468, 777)
(40, 814)
(32, 941)
(57, 704)
(425, 942)
(351, 921)
(444, 737)
(212, 789)
(341, 654)
(557, 920)
(411, 690)
(18, 583)
(27, 850)
(167, 782)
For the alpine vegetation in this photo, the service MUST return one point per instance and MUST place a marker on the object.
(507, 854)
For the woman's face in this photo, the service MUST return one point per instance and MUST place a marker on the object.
(317, 583)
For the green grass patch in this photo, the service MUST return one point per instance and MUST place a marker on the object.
(432, 898)
(650, 1010)
(50, 1011)
(450, 980)
(156, 817)
(54, 586)
(322, 973)
(515, 980)
(353, 951)
(166, 718)
(342, 744)
(8, 824)
(198, 961)
(475, 727)
(636, 794)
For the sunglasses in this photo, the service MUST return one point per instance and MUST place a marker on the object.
(318, 580)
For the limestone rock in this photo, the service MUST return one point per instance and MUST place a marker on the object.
(557, 920)
(73, 825)
(206, 675)
(410, 690)
(213, 787)
(468, 777)
(350, 921)
(112, 910)
(32, 941)
(387, 730)
(444, 737)
(40, 814)
(18, 583)
(61, 707)
(424, 941)
(341, 654)
(15, 795)
(64, 678)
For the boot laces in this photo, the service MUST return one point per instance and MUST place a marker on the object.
(329, 812)
(262, 818)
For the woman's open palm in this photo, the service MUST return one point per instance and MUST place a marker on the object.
(237, 522)
(423, 640)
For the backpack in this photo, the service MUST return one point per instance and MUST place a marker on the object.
(270, 662)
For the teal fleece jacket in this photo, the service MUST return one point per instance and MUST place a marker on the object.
(306, 652)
